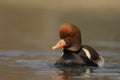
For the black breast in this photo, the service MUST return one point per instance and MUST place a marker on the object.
(69, 58)
(78, 57)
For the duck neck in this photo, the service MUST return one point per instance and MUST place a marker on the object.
(75, 45)
(72, 50)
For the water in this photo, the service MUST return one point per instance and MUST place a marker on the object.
(39, 65)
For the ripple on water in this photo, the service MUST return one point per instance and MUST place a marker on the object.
(41, 63)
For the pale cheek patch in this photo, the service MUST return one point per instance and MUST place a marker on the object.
(87, 53)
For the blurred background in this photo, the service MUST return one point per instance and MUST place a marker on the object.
(33, 24)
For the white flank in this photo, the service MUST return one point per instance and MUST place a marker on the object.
(87, 53)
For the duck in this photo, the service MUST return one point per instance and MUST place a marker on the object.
(74, 52)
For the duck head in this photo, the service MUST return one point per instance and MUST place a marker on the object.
(70, 37)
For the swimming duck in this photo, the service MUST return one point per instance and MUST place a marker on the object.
(74, 53)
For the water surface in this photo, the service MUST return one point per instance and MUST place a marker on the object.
(39, 65)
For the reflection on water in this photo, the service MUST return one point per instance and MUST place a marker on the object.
(39, 65)
(67, 73)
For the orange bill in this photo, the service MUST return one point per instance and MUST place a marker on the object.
(60, 44)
